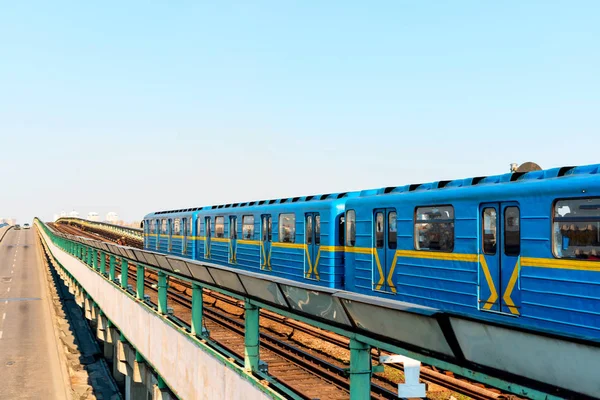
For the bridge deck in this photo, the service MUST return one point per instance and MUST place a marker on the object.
(29, 357)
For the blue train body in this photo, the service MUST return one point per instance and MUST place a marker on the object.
(521, 248)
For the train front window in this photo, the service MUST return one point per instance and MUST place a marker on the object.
(576, 228)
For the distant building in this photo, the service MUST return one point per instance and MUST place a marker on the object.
(93, 216)
(74, 214)
(112, 217)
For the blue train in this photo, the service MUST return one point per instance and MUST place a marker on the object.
(521, 248)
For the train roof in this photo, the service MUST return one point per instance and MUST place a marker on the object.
(457, 183)
(329, 197)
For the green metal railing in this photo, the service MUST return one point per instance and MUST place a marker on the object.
(360, 369)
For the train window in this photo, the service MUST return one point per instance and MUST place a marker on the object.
(163, 227)
(248, 227)
(392, 230)
(267, 228)
(576, 227)
(318, 230)
(379, 230)
(190, 221)
(270, 226)
(207, 227)
(287, 228)
(490, 220)
(341, 229)
(199, 227)
(512, 231)
(350, 228)
(177, 226)
(152, 226)
(219, 227)
(233, 227)
(434, 228)
(309, 229)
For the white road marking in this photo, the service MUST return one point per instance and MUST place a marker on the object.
(5, 301)
(8, 290)
(3, 316)
(0, 334)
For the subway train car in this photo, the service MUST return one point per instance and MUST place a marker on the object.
(299, 238)
(519, 248)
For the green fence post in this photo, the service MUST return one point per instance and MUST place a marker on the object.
(89, 255)
(139, 282)
(124, 272)
(360, 370)
(112, 264)
(95, 258)
(103, 263)
(162, 292)
(197, 309)
(251, 337)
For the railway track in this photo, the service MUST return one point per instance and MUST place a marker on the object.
(325, 367)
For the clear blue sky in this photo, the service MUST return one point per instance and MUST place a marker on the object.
(138, 106)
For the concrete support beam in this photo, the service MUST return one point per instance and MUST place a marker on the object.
(93, 312)
(117, 374)
(126, 357)
(161, 391)
(251, 337)
(135, 391)
(87, 302)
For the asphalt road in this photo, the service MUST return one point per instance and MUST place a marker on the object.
(30, 367)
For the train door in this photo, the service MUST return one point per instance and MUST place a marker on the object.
(500, 256)
(266, 236)
(157, 231)
(169, 234)
(312, 223)
(207, 235)
(385, 244)
(232, 239)
(184, 240)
